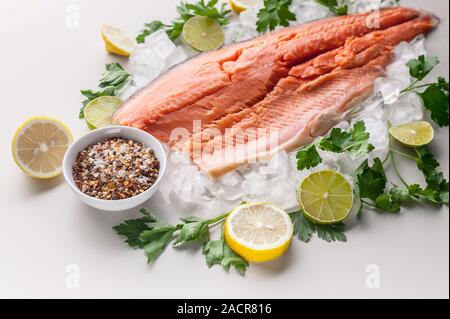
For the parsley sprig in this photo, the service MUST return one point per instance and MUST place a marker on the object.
(338, 7)
(185, 12)
(373, 190)
(435, 96)
(274, 13)
(304, 229)
(355, 141)
(112, 81)
(153, 236)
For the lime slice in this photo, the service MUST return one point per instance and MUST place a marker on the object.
(413, 134)
(241, 5)
(99, 112)
(259, 232)
(117, 41)
(326, 197)
(39, 145)
(203, 33)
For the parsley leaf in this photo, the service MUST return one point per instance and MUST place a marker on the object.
(355, 141)
(435, 100)
(435, 96)
(370, 180)
(332, 232)
(112, 81)
(335, 6)
(392, 202)
(386, 203)
(308, 158)
(156, 239)
(217, 252)
(193, 229)
(426, 161)
(304, 229)
(437, 189)
(132, 229)
(419, 68)
(273, 14)
(186, 11)
(153, 236)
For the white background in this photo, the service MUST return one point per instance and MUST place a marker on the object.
(44, 228)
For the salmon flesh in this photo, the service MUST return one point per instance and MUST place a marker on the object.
(277, 92)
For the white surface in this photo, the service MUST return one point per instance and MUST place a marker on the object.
(108, 132)
(45, 229)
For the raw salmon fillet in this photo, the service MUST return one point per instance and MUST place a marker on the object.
(276, 92)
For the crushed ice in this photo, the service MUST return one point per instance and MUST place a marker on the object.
(187, 190)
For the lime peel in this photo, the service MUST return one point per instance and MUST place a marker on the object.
(99, 112)
(414, 134)
(326, 197)
(203, 34)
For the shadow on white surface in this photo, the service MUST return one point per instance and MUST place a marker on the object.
(37, 187)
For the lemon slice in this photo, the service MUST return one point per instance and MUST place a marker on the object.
(99, 112)
(258, 232)
(241, 5)
(39, 145)
(326, 197)
(203, 33)
(117, 41)
(413, 134)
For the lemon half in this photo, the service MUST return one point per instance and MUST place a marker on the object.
(414, 134)
(241, 5)
(326, 197)
(259, 232)
(117, 41)
(39, 145)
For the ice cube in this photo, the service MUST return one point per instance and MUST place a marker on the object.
(306, 11)
(176, 57)
(127, 91)
(278, 165)
(232, 32)
(160, 44)
(231, 185)
(250, 16)
(143, 75)
(254, 185)
(247, 33)
(389, 88)
(406, 51)
(378, 131)
(188, 51)
(349, 164)
(362, 6)
(407, 109)
(281, 191)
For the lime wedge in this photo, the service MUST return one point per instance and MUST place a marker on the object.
(326, 197)
(203, 33)
(414, 134)
(99, 112)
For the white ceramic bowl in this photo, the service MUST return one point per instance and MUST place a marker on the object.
(96, 136)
